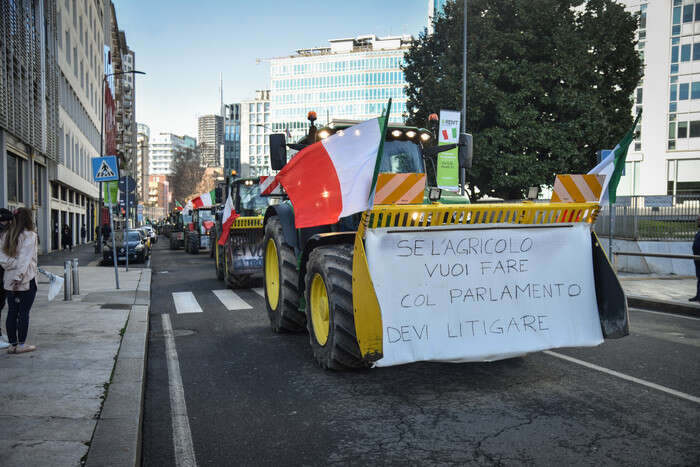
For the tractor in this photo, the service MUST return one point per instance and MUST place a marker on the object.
(197, 231)
(240, 258)
(176, 232)
(437, 280)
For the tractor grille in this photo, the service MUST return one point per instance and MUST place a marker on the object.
(427, 215)
(245, 236)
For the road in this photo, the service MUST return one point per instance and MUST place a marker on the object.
(246, 396)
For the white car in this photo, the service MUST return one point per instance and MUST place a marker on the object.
(151, 233)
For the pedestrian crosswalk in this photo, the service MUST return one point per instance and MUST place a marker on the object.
(186, 302)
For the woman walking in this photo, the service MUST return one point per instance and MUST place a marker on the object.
(18, 256)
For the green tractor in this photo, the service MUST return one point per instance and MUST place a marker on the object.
(370, 286)
(197, 234)
(176, 233)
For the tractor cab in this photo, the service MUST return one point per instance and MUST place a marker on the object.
(247, 200)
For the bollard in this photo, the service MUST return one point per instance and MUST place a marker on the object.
(76, 277)
(67, 288)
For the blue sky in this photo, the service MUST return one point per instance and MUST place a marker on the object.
(183, 45)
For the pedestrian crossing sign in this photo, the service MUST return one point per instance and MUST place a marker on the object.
(105, 168)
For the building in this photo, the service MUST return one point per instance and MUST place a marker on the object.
(142, 142)
(158, 196)
(666, 159)
(211, 139)
(80, 44)
(232, 138)
(255, 129)
(162, 149)
(29, 127)
(435, 7)
(351, 79)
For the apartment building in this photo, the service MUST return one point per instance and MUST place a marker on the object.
(255, 129)
(211, 139)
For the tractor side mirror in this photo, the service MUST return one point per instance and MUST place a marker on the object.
(278, 151)
(466, 150)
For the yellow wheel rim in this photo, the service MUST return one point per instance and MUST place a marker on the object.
(272, 274)
(319, 309)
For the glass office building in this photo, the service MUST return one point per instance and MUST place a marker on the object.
(232, 138)
(352, 79)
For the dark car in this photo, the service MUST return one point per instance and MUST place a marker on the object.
(138, 251)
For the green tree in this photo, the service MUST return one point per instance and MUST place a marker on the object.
(548, 85)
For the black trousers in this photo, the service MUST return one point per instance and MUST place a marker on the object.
(18, 304)
(697, 274)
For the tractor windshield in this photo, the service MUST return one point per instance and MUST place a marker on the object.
(401, 157)
(206, 215)
(251, 201)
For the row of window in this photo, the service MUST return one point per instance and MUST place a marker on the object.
(354, 79)
(685, 52)
(685, 91)
(338, 66)
(74, 108)
(682, 130)
(342, 110)
(259, 107)
(687, 13)
(342, 95)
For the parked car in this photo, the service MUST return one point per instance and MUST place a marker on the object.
(137, 245)
(151, 233)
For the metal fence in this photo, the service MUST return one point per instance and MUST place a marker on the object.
(651, 218)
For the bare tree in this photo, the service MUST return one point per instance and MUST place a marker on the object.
(187, 172)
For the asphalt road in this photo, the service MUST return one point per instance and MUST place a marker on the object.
(252, 397)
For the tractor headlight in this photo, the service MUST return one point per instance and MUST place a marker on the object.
(425, 137)
(396, 133)
(434, 193)
(323, 134)
(411, 134)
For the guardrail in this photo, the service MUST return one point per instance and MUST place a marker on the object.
(654, 255)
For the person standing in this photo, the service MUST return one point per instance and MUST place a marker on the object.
(18, 256)
(83, 233)
(5, 219)
(696, 251)
(67, 237)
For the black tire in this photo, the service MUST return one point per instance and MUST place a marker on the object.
(334, 265)
(286, 317)
(194, 244)
(172, 245)
(219, 262)
(212, 244)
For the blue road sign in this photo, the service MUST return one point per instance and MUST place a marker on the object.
(104, 169)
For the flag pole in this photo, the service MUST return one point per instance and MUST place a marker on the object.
(383, 125)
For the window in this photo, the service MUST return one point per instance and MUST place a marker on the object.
(688, 13)
(677, 15)
(695, 90)
(672, 130)
(683, 91)
(14, 178)
(695, 129)
(696, 47)
(682, 130)
(673, 96)
(68, 47)
(37, 184)
(685, 53)
(697, 11)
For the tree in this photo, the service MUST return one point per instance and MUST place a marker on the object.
(187, 172)
(548, 85)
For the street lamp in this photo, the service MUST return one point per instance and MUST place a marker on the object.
(102, 127)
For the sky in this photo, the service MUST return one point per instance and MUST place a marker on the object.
(183, 45)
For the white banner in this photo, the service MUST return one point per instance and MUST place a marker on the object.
(482, 293)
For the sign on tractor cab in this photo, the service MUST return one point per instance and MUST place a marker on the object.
(482, 293)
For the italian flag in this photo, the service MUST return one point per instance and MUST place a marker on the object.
(229, 215)
(335, 177)
(178, 206)
(206, 199)
(612, 166)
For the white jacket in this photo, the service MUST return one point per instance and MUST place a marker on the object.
(22, 267)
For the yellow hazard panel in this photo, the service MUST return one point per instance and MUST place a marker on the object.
(401, 188)
(579, 188)
(255, 222)
(428, 215)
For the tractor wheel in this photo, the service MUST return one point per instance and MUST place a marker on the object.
(329, 313)
(219, 261)
(212, 244)
(281, 280)
(173, 243)
(194, 244)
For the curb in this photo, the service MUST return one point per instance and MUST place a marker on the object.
(665, 306)
(117, 438)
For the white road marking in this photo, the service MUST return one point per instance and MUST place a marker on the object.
(260, 291)
(617, 374)
(182, 436)
(666, 314)
(231, 300)
(186, 303)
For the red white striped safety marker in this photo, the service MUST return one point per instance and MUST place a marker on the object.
(269, 185)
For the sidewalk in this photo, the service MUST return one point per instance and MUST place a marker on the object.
(663, 293)
(85, 254)
(51, 399)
